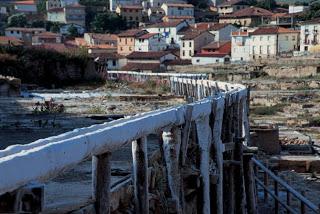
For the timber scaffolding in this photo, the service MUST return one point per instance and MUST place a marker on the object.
(215, 122)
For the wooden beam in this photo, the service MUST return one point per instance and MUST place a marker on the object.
(140, 175)
(171, 149)
(102, 182)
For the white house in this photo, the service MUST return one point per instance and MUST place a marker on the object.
(28, 6)
(150, 42)
(210, 58)
(310, 36)
(241, 44)
(178, 9)
(270, 42)
(169, 30)
(297, 8)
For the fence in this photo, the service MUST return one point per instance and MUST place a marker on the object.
(274, 193)
(217, 122)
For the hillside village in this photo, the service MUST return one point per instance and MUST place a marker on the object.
(155, 34)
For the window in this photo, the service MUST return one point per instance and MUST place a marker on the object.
(130, 18)
(121, 48)
(260, 50)
(130, 48)
(183, 44)
(183, 53)
(293, 38)
(114, 62)
(190, 44)
(217, 60)
(287, 38)
(126, 41)
(190, 53)
(268, 38)
(260, 38)
(198, 60)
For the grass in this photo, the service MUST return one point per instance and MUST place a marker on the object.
(268, 110)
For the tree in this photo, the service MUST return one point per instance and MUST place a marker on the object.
(41, 6)
(17, 20)
(73, 31)
(107, 23)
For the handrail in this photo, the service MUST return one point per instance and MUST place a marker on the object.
(47, 158)
(289, 189)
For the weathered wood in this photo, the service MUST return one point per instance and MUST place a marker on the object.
(249, 184)
(171, 148)
(186, 135)
(102, 182)
(140, 175)
(204, 140)
(217, 155)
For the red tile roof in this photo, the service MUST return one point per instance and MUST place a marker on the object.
(8, 40)
(249, 12)
(213, 54)
(209, 26)
(132, 33)
(47, 34)
(233, 2)
(141, 67)
(31, 2)
(221, 46)
(272, 30)
(147, 36)
(105, 37)
(147, 55)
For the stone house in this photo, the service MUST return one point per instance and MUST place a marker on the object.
(150, 42)
(248, 17)
(132, 14)
(231, 6)
(24, 34)
(241, 44)
(178, 9)
(310, 36)
(192, 42)
(126, 40)
(46, 37)
(101, 39)
(221, 32)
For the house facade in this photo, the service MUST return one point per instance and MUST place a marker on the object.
(132, 14)
(24, 34)
(310, 36)
(169, 30)
(101, 39)
(221, 32)
(231, 6)
(270, 42)
(46, 37)
(126, 41)
(70, 14)
(248, 17)
(178, 9)
(192, 43)
(241, 44)
(150, 42)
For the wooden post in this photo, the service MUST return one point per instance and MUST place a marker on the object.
(171, 148)
(204, 140)
(140, 175)
(218, 155)
(276, 192)
(249, 184)
(102, 182)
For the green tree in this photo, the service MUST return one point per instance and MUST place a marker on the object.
(17, 20)
(107, 23)
(73, 31)
(41, 6)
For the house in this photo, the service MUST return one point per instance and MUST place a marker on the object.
(241, 45)
(10, 41)
(111, 61)
(70, 14)
(297, 9)
(46, 37)
(64, 29)
(215, 52)
(126, 40)
(132, 14)
(248, 17)
(101, 39)
(310, 36)
(178, 9)
(155, 14)
(148, 61)
(150, 42)
(231, 6)
(188, 19)
(270, 42)
(28, 6)
(221, 32)
(283, 20)
(193, 42)
(169, 30)
(24, 34)
(59, 3)
(113, 4)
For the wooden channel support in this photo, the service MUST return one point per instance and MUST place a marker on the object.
(101, 174)
(171, 147)
(140, 175)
